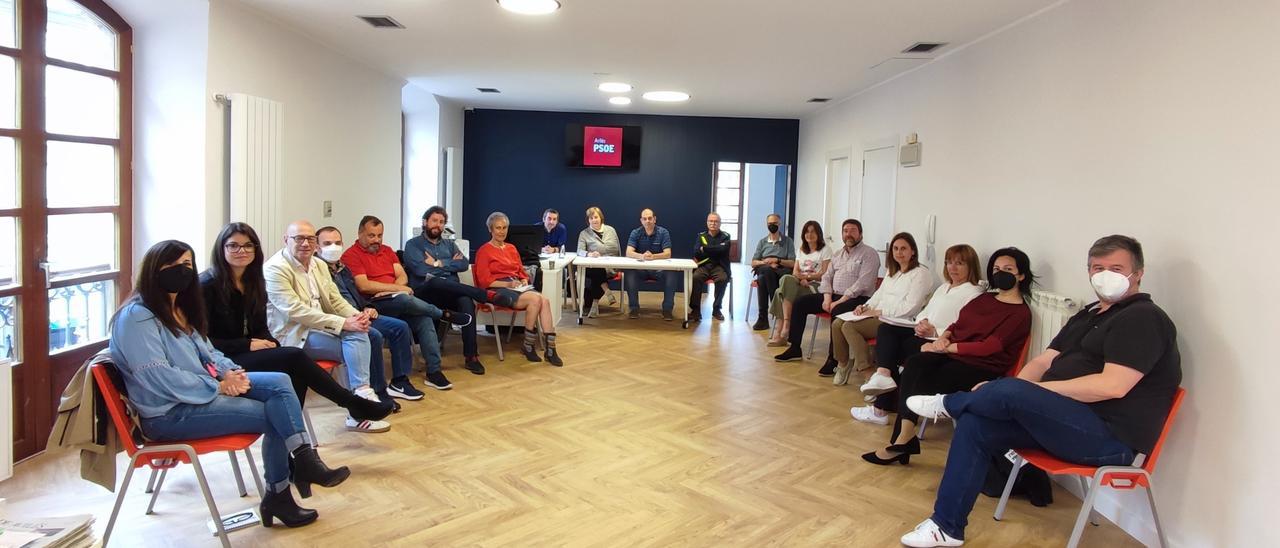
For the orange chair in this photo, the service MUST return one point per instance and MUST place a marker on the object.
(328, 366)
(492, 310)
(166, 455)
(1115, 477)
(1017, 368)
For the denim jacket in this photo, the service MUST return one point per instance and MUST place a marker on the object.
(161, 370)
(415, 265)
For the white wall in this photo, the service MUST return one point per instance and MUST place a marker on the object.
(341, 121)
(421, 153)
(1155, 119)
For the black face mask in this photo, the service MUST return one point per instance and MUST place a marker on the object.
(773, 228)
(175, 279)
(1003, 281)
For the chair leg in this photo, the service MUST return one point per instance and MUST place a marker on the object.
(920, 431)
(751, 297)
(1155, 517)
(115, 510)
(1008, 488)
(511, 328)
(306, 418)
(156, 493)
(253, 469)
(813, 337)
(151, 482)
(235, 470)
(1085, 511)
(1084, 490)
(497, 334)
(208, 497)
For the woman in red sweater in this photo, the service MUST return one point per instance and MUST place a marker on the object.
(500, 271)
(982, 345)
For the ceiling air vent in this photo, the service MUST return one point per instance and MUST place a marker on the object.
(818, 100)
(488, 90)
(381, 21)
(924, 47)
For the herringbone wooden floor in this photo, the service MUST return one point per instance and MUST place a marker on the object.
(649, 436)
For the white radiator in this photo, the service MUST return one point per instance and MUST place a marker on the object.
(1049, 312)
(256, 167)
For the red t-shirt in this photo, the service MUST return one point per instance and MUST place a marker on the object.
(494, 263)
(377, 267)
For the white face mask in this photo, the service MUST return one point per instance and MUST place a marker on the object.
(331, 253)
(1110, 286)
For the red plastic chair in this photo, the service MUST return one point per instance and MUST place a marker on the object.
(728, 290)
(1115, 477)
(328, 366)
(168, 455)
(751, 297)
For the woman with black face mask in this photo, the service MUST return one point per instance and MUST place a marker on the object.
(984, 343)
(183, 388)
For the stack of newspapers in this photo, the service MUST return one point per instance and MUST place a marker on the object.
(66, 532)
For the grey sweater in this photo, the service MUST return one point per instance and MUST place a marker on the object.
(606, 246)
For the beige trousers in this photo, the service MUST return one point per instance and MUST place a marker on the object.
(849, 339)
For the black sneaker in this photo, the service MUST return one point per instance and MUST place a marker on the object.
(828, 369)
(634, 314)
(695, 317)
(386, 398)
(473, 365)
(715, 314)
(761, 324)
(403, 389)
(460, 319)
(438, 381)
(791, 354)
(667, 315)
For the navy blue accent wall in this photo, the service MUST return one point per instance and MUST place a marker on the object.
(514, 162)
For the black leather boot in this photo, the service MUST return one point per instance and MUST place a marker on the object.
(309, 469)
(281, 505)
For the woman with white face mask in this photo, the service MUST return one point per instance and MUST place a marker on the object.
(236, 298)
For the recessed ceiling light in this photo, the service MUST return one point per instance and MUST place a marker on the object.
(666, 96)
(530, 7)
(620, 100)
(614, 87)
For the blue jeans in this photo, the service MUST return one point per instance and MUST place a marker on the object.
(270, 408)
(400, 340)
(421, 317)
(352, 349)
(671, 280)
(1011, 413)
(458, 297)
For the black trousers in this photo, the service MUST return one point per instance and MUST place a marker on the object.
(767, 278)
(704, 272)
(451, 295)
(929, 373)
(894, 346)
(593, 279)
(805, 305)
(301, 369)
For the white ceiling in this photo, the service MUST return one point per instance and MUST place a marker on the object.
(735, 57)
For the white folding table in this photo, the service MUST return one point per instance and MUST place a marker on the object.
(623, 263)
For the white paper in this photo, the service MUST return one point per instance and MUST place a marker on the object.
(851, 317)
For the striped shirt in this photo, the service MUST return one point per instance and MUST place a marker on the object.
(852, 272)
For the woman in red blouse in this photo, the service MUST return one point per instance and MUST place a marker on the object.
(499, 270)
(983, 344)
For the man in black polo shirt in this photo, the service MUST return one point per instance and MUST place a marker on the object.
(1097, 396)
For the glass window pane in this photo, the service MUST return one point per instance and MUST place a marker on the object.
(728, 214)
(79, 103)
(7, 36)
(726, 196)
(731, 229)
(75, 34)
(81, 244)
(8, 173)
(78, 313)
(9, 332)
(729, 165)
(8, 92)
(8, 251)
(80, 174)
(729, 179)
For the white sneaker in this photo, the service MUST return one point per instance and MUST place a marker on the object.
(367, 393)
(868, 414)
(928, 407)
(879, 383)
(595, 310)
(613, 301)
(367, 427)
(842, 375)
(928, 535)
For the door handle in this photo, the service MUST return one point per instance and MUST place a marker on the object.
(46, 268)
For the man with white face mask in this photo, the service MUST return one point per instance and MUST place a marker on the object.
(1098, 395)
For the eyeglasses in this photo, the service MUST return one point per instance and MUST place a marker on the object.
(233, 247)
(311, 240)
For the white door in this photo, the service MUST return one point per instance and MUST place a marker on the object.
(879, 183)
(838, 197)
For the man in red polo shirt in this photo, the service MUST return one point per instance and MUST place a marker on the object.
(382, 280)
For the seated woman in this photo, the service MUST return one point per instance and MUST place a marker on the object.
(498, 269)
(983, 344)
(235, 295)
(896, 343)
(183, 388)
(898, 299)
(812, 259)
(597, 240)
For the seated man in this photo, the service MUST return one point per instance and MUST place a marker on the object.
(711, 252)
(648, 243)
(556, 236)
(774, 258)
(381, 279)
(394, 331)
(433, 264)
(305, 310)
(1097, 396)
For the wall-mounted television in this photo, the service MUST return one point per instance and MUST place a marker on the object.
(602, 147)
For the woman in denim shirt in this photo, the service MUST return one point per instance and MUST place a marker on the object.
(183, 388)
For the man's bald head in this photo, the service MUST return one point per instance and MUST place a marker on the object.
(300, 241)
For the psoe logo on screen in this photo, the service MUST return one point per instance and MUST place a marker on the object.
(602, 146)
